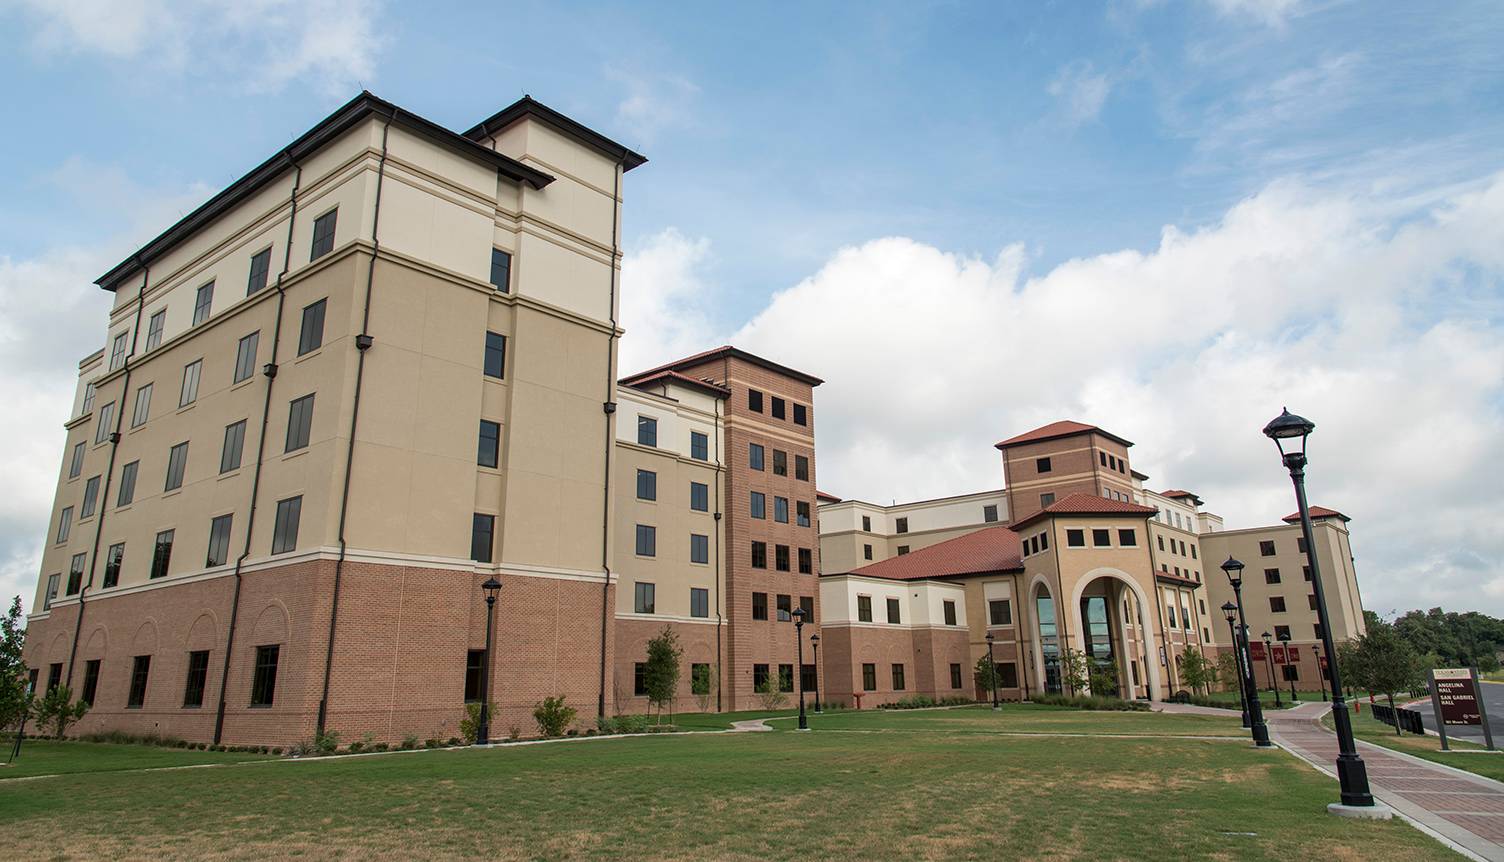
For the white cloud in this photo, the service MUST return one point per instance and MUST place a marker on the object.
(1270, 13)
(652, 104)
(663, 300)
(264, 44)
(1082, 91)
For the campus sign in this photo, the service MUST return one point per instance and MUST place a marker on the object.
(1456, 698)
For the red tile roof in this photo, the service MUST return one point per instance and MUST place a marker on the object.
(1316, 512)
(724, 350)
(1177, 494)
(1087, 504)
(993, 549)
(1055, 430)
(641, 381)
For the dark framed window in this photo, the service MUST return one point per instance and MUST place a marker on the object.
(177, 465)
(699, 496)
(299, 423)
(311, 336)
(495, 360)
(869, 677)
(64, 524)
(639, 679)
(801, 414)
(801, 513)
(91, 681)
(285, 531)
(154, 329)
(785, 608)
(245, 356)
(112, 560)
(759, 677)
(647, 485)
(219, 541)
(1161, 540)
(699, 548)
(1276, 604)
(1266, 549)
(76, 463)
(785, 677)
(895, 615)
(488, 452)
(1311, 601)
(780, 463)
(323, 235)
(1127, 538)
(1305, 572)
(1009, 672)
(647, 431)
(202, 301)
(999, 612)
(699, 446)
(781, 557)
(188, 393)
(758, 505)
(1271, 576)
(88, 404)
(754, 400)
(759, 606)
(781, 510)
(234, 446)
(76, 573)
(807, 604)
(867, 523)
(482, 529)
(105, 424)
(261, 267)
(1300, 544)
(699, 678)
(759, 555)
(801, 468)
(264, 679)
(903, 549)
(127, 484)
(955, 676)
(807, 679)
(644, 598)
(1101, 538)
(1281, 633)
(647, 541)
(806, 561)
(1044, 541)
(91, 498)
(901, 525)
(475, 668)
(950, 612)
(501, 270)
(898, 683)
(140, 672)
(1046, 499)
(989, 513)
(864, 609)
(117, 351)
(699, 602)
(755, 456)
(866, 552)
(1042, 465)
(54, 676)
(161, 554)
(778, 407)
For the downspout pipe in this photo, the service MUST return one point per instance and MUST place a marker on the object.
(609, 408)
(270, 370)
(720, 616)
(362, 345)
(109, 473)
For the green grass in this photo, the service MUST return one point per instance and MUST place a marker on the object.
(1370, 729)
(958, 790)
(720, 720)
(1266, 698)
(46, 757)
(1019, 718)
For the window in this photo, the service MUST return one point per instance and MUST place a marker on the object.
(647, 541)
(1305, 571)
(106, 423)
(1193, 552)
(219, 541)
(1281, 632)
(177, 464)
(1101, 538)
(866, 552)
(189, 391)
(893, 611)
(781, 557)
(989, 513)
(759, 555)
(1171, 610)
(1102, 456)
(801, 513)
(699, 678)
(1009, 675)
(801, 414)
(999, 612)
(759, 505)
(902, 525)
(64, 524)
(644, 599)
(202, 302)
(91, 681)
(285, 531)
(898, 677)
(955, 676)
(112, 560)
(1042, 465)
(88, 399)
(245, 357)
(501, 270)
(864, 609)
(323, 235)
(261, 265)
(780, 463)
(778, 404)
(869, 677)
(1046, 499)
(299, 423)
(754, 456)
(117, 351)
(903, 549)
(1161, 540)
(140, 670)
(785, 608)
(639, 679)
(1291, 672)
(699, 496)
(311, 336)
(127, 483)
(950, 612)
(1266, 549)
(1311, 601)
(91, 495)
(806, 561)
(807, 604)
(699, 446)
(229, 454)
(867, 523)
(161, 554)
(54, 676)
(781, 510)
(495, 360)
(1127, 539)
(1316, 629)
(647, 485)
(1300, 544)
(1276, 604)
(1271, 576)
(699, 548)
(647, 431)
(143, 406)
(801, 468)
(807, 678)
(482, 529)
(1044, 541)
(154, 327)
(76, 463)
(264, 680)
(475, 669)
(754, 400)
(76, 573)
(785, 677)
(759, 606)
(759, 677)
(699, 602)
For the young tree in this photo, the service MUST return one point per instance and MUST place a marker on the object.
(1227, 670)
(57, 708)
(1389, 664)
(14, 699)
(703, 683)
(1196, 670)
(770, 696)
(985, 673)
(660, 676)
(1074, 670)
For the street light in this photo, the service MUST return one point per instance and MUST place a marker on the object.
(483, 727)
(1289, 429)
(799, 642)
(1284, 638)
(1269, 662)
(1234, 570)
(992, 671)
(1230, 611)
(814, 642)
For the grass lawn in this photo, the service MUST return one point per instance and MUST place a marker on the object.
(1370, 729)
(1266, 698)
(45, 757)
(1018, 718)
(960, 790)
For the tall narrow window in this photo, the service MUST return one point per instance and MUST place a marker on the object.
(806, 561)
(778, 404)
(785, 608)
(781, 510)
(76, 463)
(758, 505)
(261, 266)
(323, 235)
(198, 675)
(901, 525)
(699, 446)
(754, 400)
(245, 357)
(699, 602)
(754, 456)
(780, 463)
(219, 541)
(264, 680)
(88, 404)
(898, 682)
(644, 598)
(495, 359)
(869, 677)
(143, 406)
(950, 612)
(801, 414)
(482, 529)
(299, 423)
(894, 615)
(106, 423)
(91, 681)
(154, 329)
(475, 670)
(311, 336)
(801, 468)
(647, 431)
(140, 670)
(501, 270)
(647, 485)
(202, 303)
(177, 464)
(699, 496)
(229, 456)
(647, 541)
(781, 558)
(189, 391)
(117, 351)
(801, 513)
(112, 560)
(285, 531)
(699, 548)
(76, 573)
(64, 524)
(488, 453)
(759, 555)
(161, 555)
(759, 606)
(864, 609)
(127, 484)
(91, 498)
(807, 604)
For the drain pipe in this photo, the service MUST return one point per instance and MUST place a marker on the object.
(109, 474)
(720, 617)
(270, 370)
(609, 407)
(362, 344)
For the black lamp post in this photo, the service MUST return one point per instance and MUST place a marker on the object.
(992, 671)
(1284, 639)
(483, 727)
(1293, 430)
(814, 643)
(1230, 611)
(1269, 663)
(1234, 570)
(799, 642)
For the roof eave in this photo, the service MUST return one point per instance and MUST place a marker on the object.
(527, 106)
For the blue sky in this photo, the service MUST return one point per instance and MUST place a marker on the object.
(1285, 184)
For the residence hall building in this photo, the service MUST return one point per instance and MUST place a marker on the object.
(372, 373)
(911, 590)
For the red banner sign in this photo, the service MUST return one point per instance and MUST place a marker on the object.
(1295, 654)
(1256, 651)
(1279, 655)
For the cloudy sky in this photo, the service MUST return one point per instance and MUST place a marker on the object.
(1166, 218)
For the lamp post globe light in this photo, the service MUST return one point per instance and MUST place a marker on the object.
(483, 726)
(992, 672)
(1230, 613)
(1289, 433)
(814, 643)
(1234, 570)
(1284, 639)
(1269, 663)
(799, 644)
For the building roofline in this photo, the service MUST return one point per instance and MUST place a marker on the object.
(527, 106)
(724, 350)
(952, 497)
(677, 379)
(1079, 428)
(326, 130)
(1075, 506)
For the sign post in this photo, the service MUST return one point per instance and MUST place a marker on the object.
(1458, 702)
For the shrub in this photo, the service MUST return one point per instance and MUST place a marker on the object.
(432, 743)
(624, 724)
(605, 724)
(409, 742)
(470, 724)
(380, 746)
(326, 742)
(454, 741)
(57, 709)
(1090, 702)
(553, 716)
(514, 733)
(277, 750)
(356, 747)
(770, 696)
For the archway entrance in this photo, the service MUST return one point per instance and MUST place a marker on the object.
(1112, 631)
(1049, 640)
